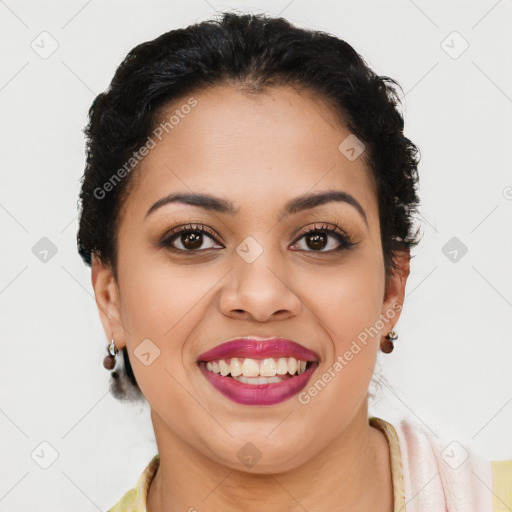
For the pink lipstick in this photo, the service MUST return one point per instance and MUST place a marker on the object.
(289, 364)
(259, 349)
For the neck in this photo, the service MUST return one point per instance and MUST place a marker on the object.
(352, 473)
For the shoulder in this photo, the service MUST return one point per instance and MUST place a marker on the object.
(502, 485)
(441, 473)
(134, 500)
(127, 503)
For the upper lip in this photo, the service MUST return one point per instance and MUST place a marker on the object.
(256, 348)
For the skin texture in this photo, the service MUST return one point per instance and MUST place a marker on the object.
(258, 151)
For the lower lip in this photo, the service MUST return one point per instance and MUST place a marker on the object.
(258, 394)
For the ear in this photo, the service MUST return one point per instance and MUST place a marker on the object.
(395, 288)
(106, 293)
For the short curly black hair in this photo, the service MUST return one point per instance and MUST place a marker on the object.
(253, 51)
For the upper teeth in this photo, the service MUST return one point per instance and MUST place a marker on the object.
(256, 367)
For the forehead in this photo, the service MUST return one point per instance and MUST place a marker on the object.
(254, 147)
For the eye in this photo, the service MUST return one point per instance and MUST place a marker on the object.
(189, 238)
(192, 237)
(317, 238)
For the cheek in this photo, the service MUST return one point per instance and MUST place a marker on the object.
(348, 308)
(348, 301)
(163, 307)
(158, 296)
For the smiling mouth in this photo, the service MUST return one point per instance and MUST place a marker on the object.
(247, 370)
(257, 371)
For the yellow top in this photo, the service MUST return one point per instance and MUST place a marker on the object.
(502, 485)
(134, 500)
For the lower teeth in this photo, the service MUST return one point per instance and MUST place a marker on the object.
(257, 380)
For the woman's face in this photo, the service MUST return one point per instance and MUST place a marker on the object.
(253, 272)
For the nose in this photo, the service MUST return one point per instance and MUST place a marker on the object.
(258, 291)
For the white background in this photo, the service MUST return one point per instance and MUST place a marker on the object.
(451, 369)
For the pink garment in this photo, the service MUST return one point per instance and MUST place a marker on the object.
(442, 477)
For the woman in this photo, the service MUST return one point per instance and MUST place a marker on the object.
(247, 211)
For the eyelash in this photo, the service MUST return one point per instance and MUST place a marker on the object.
(345, 242)
(344, 239)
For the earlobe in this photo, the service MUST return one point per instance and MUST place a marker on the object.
(107, 299)
(393, 299)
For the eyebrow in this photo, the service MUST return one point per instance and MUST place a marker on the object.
(298, 204)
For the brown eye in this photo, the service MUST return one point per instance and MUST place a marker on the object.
(318, 238)
(316, 241)
(189, 239)
(192, 240)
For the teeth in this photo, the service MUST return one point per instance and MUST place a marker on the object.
(250, 368)
(258, 380)
(267, 369)
(282, 366)
(235, 367)
(224, 367)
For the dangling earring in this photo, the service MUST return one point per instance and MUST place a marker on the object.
(110, 361)
(387, 344)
